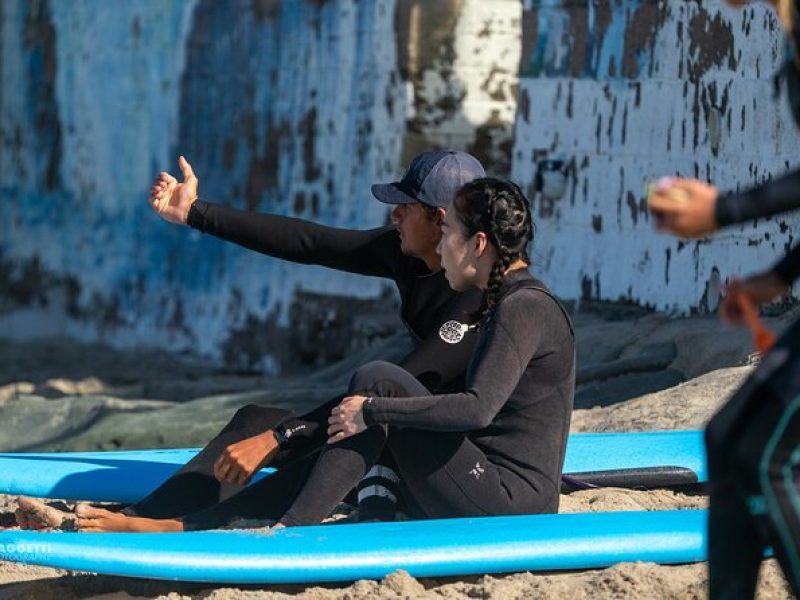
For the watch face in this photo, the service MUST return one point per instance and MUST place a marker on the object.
(452, 332)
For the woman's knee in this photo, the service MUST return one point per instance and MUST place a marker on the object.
(372, 373)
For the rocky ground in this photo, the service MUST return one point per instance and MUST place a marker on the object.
(637, 371)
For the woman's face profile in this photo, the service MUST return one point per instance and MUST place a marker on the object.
(457, 249)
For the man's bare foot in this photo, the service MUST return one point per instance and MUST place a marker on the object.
(92, 519)
(23, 519)
(35, 514)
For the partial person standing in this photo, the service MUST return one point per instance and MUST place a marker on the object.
(753, 442)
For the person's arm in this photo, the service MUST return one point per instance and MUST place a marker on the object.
(692, 208)
(436, 363)
(779, 195)
(373, 252)
(522, 325)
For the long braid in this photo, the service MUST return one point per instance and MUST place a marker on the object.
(500, 210)
(499, 269)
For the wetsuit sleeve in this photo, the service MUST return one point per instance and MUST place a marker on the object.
(788, 268)
(436, 363)
(521, 327)
(776, 196)
(373, 252)
(300, 435)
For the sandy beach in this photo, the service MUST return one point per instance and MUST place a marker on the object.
(637, 371)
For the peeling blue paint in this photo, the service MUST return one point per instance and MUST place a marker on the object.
(271, 102)
(566, 30)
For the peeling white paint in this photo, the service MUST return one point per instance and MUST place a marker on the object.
(623, 132)
(475, 86)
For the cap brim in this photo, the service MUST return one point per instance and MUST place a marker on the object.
(389, 193)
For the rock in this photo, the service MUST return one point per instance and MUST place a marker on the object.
(32, 422)
(654, 357)
(600, 340)
(13, 390)
(619, 389)
(687, 406)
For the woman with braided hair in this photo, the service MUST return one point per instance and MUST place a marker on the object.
(495, 448)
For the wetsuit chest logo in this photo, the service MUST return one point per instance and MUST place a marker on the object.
(453, 332)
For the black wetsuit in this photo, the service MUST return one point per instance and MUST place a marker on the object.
(496, 448)
(427, 302)
(753, 441)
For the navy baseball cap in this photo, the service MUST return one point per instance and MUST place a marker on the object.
(433, 178)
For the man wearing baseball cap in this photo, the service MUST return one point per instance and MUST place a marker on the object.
(405, 253)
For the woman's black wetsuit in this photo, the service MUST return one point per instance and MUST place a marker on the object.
(753, 442)
(496, 448)
(427, 303)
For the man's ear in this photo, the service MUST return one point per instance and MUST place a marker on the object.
(481, 243)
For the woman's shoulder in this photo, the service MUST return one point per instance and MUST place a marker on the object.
(526, 291)
(527, 296)
(529, 304)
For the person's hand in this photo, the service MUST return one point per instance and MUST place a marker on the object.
(240, 461)
(172, 199)
(685, 207)
(346, 419)
(759, 289)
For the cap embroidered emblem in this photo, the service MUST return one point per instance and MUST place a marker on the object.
(453, 332)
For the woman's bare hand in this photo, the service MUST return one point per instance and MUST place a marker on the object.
(347, 419)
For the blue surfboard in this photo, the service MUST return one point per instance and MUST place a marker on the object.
(373, 550)
(646, 459)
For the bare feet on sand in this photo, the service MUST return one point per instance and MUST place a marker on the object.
(93, 519)
(35, 514)
(32, 513)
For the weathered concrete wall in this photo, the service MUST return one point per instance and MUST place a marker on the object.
(295, 107)
(460, 59)
(628, 91)
(286, 106)
(88, 107)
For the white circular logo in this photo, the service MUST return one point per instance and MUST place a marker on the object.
(452, 332)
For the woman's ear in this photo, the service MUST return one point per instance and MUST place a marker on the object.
(481, 243)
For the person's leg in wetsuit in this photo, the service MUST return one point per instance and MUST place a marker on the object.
(735, 547)
(753, 447)
(778, 485)
(332, 483)
(194, 487)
